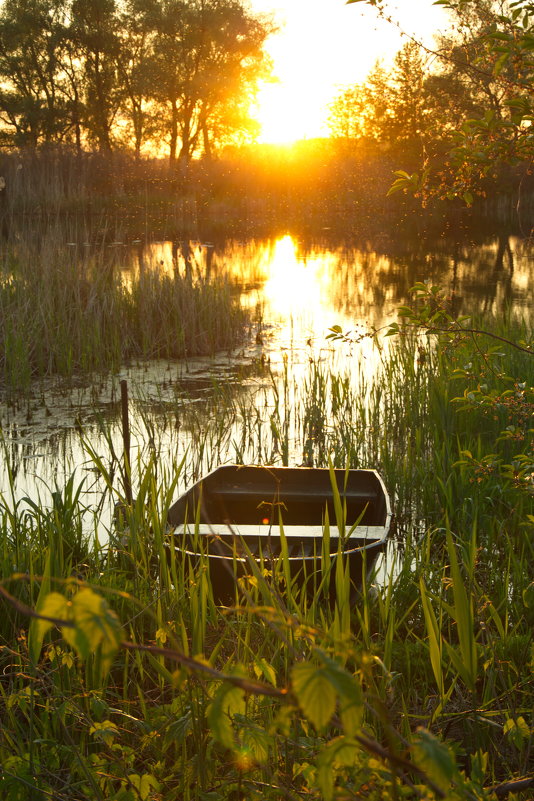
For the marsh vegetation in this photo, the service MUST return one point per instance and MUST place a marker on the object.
(121, 678)
(194, 704)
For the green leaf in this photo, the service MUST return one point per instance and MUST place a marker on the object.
(434, 758)
(265, 669)
(458, 664)
(177, 731)
(106, 731)
(463, 614)
(517, 731)
(501, 61)
(143, 784)
(38, 627)
(340, 752)
(228, 700)
(95, 624)
(344, 682)
(434, 637)
(349, 689)
(351, 713)
(257, 742)
(51, 605)
(528, 593)
(325, 772)
(314, 692)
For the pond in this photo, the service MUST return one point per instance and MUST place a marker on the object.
(251, 405)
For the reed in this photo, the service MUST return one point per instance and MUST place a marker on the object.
(65, 311)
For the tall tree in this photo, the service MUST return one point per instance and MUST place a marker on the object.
(209, 57)
(120, 72)
(231, 61)
(94, 30)
(491, 56)
(487, 81)
(346, 113)
(32, 101)
(408, 101)
(136, 75)
(390, 108)
(364, 111)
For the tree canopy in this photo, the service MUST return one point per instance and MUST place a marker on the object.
(139, 74)
(458, 112)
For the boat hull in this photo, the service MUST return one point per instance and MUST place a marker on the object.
(292, 523)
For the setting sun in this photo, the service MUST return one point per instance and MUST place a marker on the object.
(320, 48)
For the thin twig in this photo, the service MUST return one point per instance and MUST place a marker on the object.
(435, 330)
(249, 686)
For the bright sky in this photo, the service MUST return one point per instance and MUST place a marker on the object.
(324, 45)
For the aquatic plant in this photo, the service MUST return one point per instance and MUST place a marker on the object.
(64, 312)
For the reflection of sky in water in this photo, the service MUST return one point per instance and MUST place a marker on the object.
(302, 290)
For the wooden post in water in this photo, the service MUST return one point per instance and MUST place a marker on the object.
(126, 442)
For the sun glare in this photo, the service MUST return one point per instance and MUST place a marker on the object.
(287, 114)
(291, 286)
(321, 48)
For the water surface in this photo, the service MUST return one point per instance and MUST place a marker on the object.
(221, 409)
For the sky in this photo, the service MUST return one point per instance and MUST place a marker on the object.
(323, 46)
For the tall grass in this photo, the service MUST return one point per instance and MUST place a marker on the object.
(63, 311)
(444, 641)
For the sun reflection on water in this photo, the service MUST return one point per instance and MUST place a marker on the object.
(293, 286)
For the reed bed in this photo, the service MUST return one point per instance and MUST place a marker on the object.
(419, 688)
(66, 308)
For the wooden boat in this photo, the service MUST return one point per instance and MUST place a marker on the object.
(238, 515)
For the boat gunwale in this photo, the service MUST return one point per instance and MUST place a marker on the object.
(232, 530)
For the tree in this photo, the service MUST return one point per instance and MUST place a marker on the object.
(408, 100)
(346, 113)
(390, 107)
(233, 62)
(488, 71)
(108, 73)
(136, 74)
(492, 55)
(363, 111)
(32, 99)
(94, 30)
(208, 60)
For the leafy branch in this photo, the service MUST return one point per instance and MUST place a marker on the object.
(433, 318)
(318, 688)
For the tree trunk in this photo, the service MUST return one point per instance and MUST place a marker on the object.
(206, 140)
(173, 144)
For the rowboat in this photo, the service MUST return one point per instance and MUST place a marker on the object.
(238, 518)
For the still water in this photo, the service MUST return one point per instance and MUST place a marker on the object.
(244, 405)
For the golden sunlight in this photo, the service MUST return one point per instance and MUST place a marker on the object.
(321, 48)
(286, 115)
(301, 291)
(293, 286)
